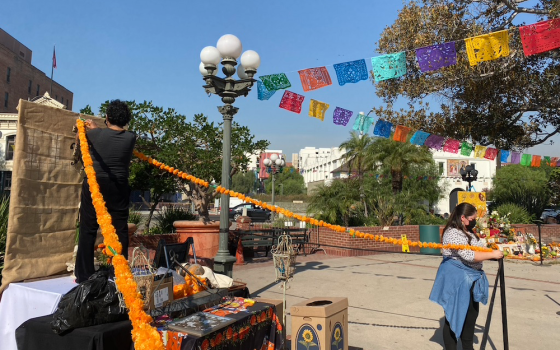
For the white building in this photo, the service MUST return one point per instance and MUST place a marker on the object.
(322, 165)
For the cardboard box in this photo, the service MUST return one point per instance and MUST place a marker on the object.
(321, 323)
(163, 295)
(279, 307)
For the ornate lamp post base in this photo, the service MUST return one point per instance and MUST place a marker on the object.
(223, 263)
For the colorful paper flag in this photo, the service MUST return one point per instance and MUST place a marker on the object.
(362, 123)
(526, 159)
(275, 82)
(401, 133)
(491, 153)
(546, 160)
(504, 156)
(389, 66)
(452, 146)
(419, 138)
(341, 116)
(515, 158)
(317, 109)
(466, 149)
(435, 142)
(314, 78)
(262, 93)
(383, 128)
(437, 56)
(54, 57)
(554, 161)
(487, 47)
(351, 72)
(292, 101)
(540, 37)
(536, 161)
(479, 151)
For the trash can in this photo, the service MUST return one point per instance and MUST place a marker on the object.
(320, 324)
(430, 234)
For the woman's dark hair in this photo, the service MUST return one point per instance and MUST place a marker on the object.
(454, 220)
(118, 113)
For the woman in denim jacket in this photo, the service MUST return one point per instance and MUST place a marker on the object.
(460, 282)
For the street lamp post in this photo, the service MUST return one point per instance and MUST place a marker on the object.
(469, 174)
(227, 50)
(274, 165)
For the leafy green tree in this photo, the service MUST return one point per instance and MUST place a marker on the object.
(86, 110)
(194, 146)
(511, 102)
(554, 187)
(356, 153)
(399, 158)
(287, 182)
(244, 182)
(516, 213)
(337, 202)
(527, 187)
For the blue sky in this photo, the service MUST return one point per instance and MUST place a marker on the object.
(148, 50)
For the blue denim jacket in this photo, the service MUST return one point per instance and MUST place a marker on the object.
(452, 290)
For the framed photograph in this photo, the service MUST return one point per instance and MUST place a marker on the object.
(453, 167)
(200, 323)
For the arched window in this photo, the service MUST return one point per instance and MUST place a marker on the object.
(10, 146)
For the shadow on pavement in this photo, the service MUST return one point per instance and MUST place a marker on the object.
(438, 335)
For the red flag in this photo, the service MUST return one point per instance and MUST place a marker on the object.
(54, 58)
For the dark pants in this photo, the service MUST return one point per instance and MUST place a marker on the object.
(467, 334)
(116, 195)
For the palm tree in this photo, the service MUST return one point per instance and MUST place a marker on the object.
(334, 203)
(399, 158)
(356, 152)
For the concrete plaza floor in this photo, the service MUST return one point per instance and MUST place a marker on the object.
(388, 299)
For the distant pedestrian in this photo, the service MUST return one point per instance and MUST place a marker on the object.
(460, 282)
(446, 216)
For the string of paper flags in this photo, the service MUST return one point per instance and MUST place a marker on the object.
(535, 38)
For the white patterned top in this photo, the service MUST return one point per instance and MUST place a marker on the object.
(456, 236)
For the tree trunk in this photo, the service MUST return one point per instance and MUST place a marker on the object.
(396, 181)
(153, 206)
(201, 197)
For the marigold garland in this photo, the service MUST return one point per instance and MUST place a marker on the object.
(145, 337)
(289, 214)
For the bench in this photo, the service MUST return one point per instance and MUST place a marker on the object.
(254, 239)
(269, 237)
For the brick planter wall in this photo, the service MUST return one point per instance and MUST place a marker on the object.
(353, 245)
(349, 246)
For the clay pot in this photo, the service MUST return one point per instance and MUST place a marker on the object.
(206, 236)
(131, 229)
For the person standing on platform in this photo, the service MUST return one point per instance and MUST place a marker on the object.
(460, 282)
(111, 150)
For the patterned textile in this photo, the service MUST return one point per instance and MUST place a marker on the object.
(436, 56)
(292, 101)
(383, 128)
(419, 138)
(452, 146)
(504, 156)
(536, 161)
(262, 92)
(487, 47)
(434, 142)
(317, 109)
(351, 72)
(479, 151)
(341, 116)
(389, 66)
(515, 158)
(314, 78)
(491, 153)
(526, 159)
(362, 123)
(401, 133)
(466, 149)
(275, 82)
(540, 37)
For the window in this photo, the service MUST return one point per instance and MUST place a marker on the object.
(29, 87)
(56, 97)
(8, 74)
(7, 183)
(441, 166)
(38, 87)
(6, 97)
(10, 145)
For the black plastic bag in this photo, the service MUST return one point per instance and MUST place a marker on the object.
(92, 302)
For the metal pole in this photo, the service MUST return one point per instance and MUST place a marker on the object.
(285, 331)
(540, 241)
(272, 174)
(223, 260)
(503, 302)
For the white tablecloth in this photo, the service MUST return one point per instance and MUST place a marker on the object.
(22, 301)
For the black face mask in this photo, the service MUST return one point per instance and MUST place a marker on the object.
(471, 225)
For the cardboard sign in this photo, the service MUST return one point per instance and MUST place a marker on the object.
(162, 293)
(478, 199)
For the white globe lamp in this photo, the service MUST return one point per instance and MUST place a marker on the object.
(251, 59)
(241, 72)
(210, 55)
(206, 72)
(273, 157)
(229, 46)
